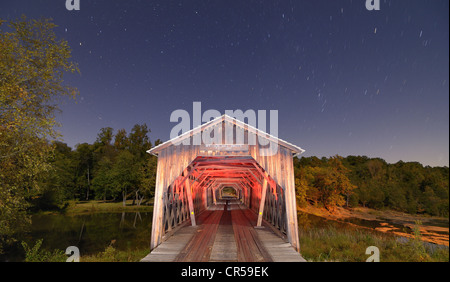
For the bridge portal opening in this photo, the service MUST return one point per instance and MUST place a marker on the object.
(229, 193)
(192, 178)
(209, 179)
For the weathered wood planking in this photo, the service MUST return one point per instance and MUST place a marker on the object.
(177, 160)
(249, 246)
(200, 246)
(279, 250)
(224, 247)
(225, 235)
(170, 249)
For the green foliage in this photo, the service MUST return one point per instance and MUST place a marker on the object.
(58, 183)
(406, 187)
(84, 162)
(102, 183)
(325, 183)
(125, 173)
(111, 254)
(104, 170)
(36, 254)
(138, 141)
(32, 66)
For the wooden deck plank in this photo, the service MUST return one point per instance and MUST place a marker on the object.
(225, 233)
(170, 249)
(279, 250)
(224, 248)
(200, 245)
(248, 243)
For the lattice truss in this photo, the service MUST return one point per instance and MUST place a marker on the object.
(201, 183)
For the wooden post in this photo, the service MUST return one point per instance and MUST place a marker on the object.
(190, 201)
(214, 195)
(291, 206)
(207, 189)
(205, 197)
(261, 204)
(249, 197)
(157, 224)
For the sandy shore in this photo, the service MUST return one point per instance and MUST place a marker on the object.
(433, 229)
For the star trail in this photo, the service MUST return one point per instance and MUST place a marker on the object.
(344, 79)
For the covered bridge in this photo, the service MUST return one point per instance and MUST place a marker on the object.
(195, 179)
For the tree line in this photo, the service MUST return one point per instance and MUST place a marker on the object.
(115, 167)
(372, 182)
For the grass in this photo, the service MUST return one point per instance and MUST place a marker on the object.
(36, 254)
(76, 207)
(111, 254)
(350, 244)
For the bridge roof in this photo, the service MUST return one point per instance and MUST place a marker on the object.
(226, 118)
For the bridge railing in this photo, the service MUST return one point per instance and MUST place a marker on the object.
(275, 207)
(175, 207)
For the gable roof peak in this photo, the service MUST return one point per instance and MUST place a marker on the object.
(226, 118)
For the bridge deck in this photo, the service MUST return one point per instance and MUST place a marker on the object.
(224, 233)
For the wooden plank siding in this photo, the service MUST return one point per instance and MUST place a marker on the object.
(176, 169)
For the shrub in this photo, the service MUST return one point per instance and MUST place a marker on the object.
(36, 254)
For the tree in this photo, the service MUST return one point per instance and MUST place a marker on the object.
(102, 184)
(123, 167)
(138, 140)
(32, 66)
(147, 176)
(158, 142)
(125, 174)
(327, 182)
(84, 159)
(59, 182)
(105, 136)
(121, 140)
(303, 184)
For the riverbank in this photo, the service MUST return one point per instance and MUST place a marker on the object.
(99, 206)
(433, 229)
(346, 244)
(108, 231)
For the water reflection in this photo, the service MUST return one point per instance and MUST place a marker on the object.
(91, 233)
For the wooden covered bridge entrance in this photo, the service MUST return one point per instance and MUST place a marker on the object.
(232, 199)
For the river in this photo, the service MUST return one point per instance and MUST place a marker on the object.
(93, 232)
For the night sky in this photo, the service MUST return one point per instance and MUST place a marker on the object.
(345, 80)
